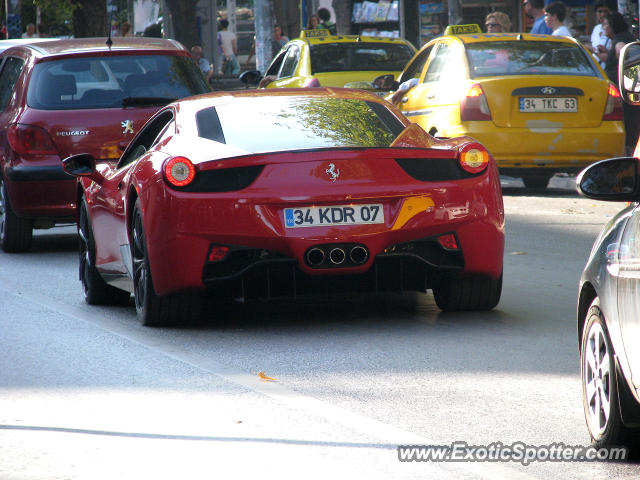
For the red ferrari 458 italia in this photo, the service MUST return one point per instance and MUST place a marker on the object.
(257, 194)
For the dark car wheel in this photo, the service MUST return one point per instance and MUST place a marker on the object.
(154, 310)
(600, 395)
(15, 232)
(537, 181)
(96, 290)
(468, 293)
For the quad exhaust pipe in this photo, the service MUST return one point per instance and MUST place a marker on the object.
(336, 255)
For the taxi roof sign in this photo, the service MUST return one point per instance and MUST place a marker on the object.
(461, 29)
(315, 33)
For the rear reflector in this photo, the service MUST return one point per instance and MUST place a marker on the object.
(218, 253)
(30, 140)
(448, 241)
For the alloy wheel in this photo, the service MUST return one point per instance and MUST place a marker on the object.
(139, 260)
(597, 378)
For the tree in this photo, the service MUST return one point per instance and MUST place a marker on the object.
(90, 18)
(183, 17)
(343, 9)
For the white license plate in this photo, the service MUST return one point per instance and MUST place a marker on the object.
(548, 104)
(333, 215)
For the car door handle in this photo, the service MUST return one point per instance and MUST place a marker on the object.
(431, 96)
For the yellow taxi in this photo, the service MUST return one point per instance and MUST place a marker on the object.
(318, 58)
(541, 104)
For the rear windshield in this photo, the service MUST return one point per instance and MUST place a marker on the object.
(260, 125)
(113, 81)
(366, 56)
(528, 58)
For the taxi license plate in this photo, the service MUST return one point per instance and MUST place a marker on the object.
(333, 215)
(546, 105)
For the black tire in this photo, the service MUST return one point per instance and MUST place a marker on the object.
(536, 181)
(16, 233)
(96, 290)
(154, 310)
(468, 293)
(600, 395)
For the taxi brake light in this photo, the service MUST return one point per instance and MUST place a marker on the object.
(179, 171)
(30, 140)
(473, 158)
(474, 105)
(613, 108)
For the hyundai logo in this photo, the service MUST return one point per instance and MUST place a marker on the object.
(548, 90)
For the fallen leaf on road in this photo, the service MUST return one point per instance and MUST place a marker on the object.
(265, 378)
(519, 253)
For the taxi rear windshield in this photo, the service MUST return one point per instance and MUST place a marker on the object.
(489, 59)
(260, 125)
(113, 81)
(365, 56)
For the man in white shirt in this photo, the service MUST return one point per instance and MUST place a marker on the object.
(599, 40)
(554, 15)
(31, 31)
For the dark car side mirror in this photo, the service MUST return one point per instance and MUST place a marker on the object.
(251, 77)
(82, 165)
(385, 82)
(629, 73)
(614, 179)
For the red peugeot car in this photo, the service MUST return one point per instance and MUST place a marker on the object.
(282, 192)
(88, 95)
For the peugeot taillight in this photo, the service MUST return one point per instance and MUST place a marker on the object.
(473, 158)
(179, 171)
(30, 140)
(474, 106)
(613, 109)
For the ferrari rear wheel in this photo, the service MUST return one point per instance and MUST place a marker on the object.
(15, 232)
(600, 395)
(154, 310)
(477, 292)
(96, 290)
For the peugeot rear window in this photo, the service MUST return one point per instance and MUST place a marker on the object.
(260, 125)
(365, 56)
(489, 59)
(113, 81)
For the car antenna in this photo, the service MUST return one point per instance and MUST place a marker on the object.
(109, 42)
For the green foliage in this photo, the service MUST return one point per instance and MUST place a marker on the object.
(54, 15)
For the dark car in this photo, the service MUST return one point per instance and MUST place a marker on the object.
(609, 294)
(270, 193)
(59, 98)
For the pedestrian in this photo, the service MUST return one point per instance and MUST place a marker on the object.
(30, 31)
(600, 43)
(617, 29)
(554, 15)
(203, 63)
(534, 9)
(125, 29)
(314, 22)
(325, 21)
(497, 22)
(229, 49)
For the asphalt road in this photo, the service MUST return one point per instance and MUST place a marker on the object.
(86, 392)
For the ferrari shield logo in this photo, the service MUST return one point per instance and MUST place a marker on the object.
(127, 126)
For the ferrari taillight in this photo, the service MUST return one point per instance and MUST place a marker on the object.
(30, 140)
(474, 105)
(179, 171)
(473, 158)
(613, 109)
